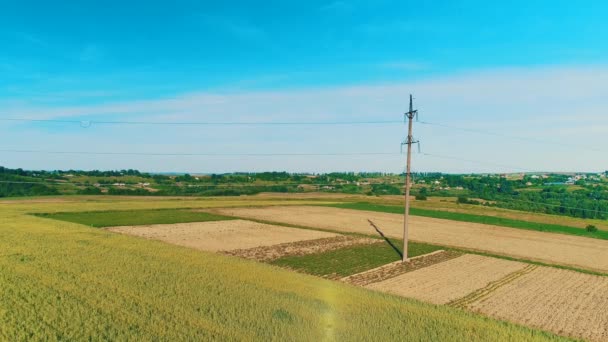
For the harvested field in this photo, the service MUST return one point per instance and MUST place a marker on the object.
(541, 246)
(446, 281)
(397, 268)
(564, 302)
(269, 253)
(222, 235)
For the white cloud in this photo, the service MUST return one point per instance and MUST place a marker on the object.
(562, 104)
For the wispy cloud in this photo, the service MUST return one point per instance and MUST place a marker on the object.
(556, 104)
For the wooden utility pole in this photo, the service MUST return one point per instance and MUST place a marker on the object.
(410, 140)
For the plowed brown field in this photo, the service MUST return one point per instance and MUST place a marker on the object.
(548, 247)
(449, 280)
(222, 235)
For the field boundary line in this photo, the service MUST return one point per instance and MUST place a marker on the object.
(491, 287)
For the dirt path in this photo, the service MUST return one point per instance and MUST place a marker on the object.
(449, 280)
(222, 235)
(547, 247)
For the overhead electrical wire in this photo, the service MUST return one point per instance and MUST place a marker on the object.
(508, 136)
(201, 154)
(88, 123)
(482, 162)
(215, 154)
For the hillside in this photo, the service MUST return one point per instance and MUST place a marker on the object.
(77, 282)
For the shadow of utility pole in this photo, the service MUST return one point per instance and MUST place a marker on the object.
(385, 238)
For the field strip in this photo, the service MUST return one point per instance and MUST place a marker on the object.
(305, 247)
(222, 235)
(396, 268)
(561, 301)
(560, 249)
(493, 286)
(446, 281)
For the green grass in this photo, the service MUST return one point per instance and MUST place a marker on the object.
(498, 221)
(101, 219)
(68, 282)
(351, 260)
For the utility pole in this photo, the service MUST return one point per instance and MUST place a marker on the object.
(410, 140)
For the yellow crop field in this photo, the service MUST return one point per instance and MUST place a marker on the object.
(66, 281)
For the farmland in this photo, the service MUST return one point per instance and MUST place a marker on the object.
(465, 217)
(67, 281)
(141, 217)
(221, 235)
(444, 282)
(557, 300)
(546, 247)
(348, 261)
(562, 301)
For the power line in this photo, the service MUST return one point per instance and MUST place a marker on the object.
(526, 139)
(160, 154)
(480, 162)
(202, 154)
(88, 123)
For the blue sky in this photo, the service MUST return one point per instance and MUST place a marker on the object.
(530, 69)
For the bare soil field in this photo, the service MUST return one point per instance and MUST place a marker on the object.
(564, 302)
(222, 235)
(269, 253)
(398, 268)
(448, 204)
(451, 206)
(553, 248)
(446, 281)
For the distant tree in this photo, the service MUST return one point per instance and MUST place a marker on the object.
(462, 200)
(591, 228)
